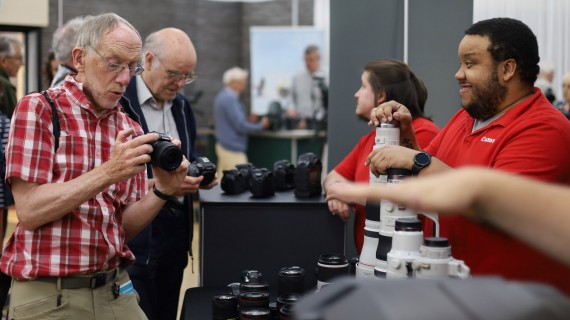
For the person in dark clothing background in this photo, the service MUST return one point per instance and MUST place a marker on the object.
(153, 100)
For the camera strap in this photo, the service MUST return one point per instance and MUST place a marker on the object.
(54, 120)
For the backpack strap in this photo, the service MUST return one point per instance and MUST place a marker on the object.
(54, 120)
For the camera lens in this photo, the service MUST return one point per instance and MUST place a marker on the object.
(286, 312)
(291, 280)
(287, 299)
(224, 307)
(255, 313)
(330, 266)
(166, 155)
(254, 286)
(254, 299)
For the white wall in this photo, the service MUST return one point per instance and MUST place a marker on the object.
(548, 19)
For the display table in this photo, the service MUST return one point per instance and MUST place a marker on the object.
(239, 232)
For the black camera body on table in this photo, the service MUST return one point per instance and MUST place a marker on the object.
(308, 176)
(234, 182)
(261, 183)
(165, 154)
(284, 175)
(202, 167)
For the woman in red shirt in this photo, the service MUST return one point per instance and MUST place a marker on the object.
(382, 81)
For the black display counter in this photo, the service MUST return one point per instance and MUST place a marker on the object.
(239, 232)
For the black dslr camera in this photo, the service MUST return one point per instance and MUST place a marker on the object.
(261, 183)
(308, 176)
(284, 175)
(245, 169)
(202, 167)
(250, 275)
(165, 154)
(234, 182)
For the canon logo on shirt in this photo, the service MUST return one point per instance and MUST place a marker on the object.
(488, 140)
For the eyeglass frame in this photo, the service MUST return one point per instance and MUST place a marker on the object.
(188, 77)
(119, 67)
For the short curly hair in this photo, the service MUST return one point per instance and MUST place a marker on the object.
(510, 39)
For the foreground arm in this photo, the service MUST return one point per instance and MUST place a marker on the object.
(139, 214)
(532, 211)
(38, 204)
(387, 157)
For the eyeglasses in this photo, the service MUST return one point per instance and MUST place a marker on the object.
(116, 67)
(177, 76)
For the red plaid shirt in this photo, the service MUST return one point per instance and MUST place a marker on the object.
(89, 238)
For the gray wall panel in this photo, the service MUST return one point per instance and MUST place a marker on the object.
(436, 28)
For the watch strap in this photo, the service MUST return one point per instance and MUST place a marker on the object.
(416, 168)
(160, 194)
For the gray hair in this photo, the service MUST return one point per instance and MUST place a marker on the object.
(64, 38)
(310, 49)
(153, 43)
(8, 46)
(234, 74)
(92, 29)
(546, 67)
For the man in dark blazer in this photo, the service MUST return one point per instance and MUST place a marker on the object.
(153, 100)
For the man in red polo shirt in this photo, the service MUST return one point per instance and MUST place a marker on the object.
(505, 123)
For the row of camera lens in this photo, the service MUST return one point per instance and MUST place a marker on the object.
(305, 178)
(250, 299)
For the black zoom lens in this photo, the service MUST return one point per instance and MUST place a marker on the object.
(165, 154)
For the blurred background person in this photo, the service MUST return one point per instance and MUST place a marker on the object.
(49, 69)
(62, 43)
(544, 80)
(308, 93)
(231, 121)
(11, 60)
(381, 81)
(564, 104)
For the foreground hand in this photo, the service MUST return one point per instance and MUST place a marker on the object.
(387, 157)
(339, 208)
(390, 111)
(128, 156)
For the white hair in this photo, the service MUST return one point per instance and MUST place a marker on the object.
(546, 67)
(234, 74)
(64, 39)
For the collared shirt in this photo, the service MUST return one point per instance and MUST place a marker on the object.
(232, 127)
(160, 120)
(306, 97)
(90, 238)
(61, 74)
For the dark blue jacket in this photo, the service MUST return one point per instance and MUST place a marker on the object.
(186, 126)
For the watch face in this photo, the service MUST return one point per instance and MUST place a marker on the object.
(422, 159)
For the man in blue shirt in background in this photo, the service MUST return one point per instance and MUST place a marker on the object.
(231, 124)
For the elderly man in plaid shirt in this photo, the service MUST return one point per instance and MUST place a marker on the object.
(79, 203)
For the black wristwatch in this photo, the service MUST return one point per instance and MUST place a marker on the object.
(421, 160)
(160, 194)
